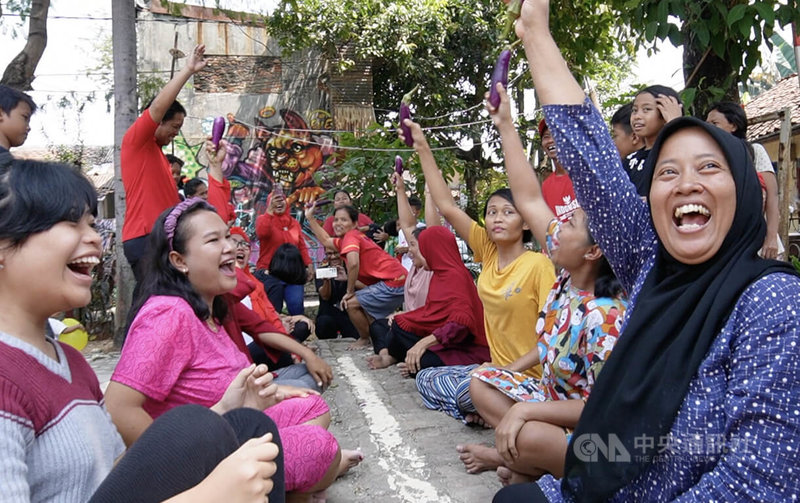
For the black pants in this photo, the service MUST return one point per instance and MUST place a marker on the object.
(529, 492)
(379, 333)
(180, 449)
(400, 341)
(134, 250)
(331, 321)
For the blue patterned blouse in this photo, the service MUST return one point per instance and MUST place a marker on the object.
(736, 436)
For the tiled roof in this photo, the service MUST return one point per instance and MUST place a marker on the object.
(786, 93)
(102, 177)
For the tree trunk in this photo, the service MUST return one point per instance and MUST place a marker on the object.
(19, 73)
(704, 70)
(123, 28)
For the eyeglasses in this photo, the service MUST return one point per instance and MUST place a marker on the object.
(242, 244)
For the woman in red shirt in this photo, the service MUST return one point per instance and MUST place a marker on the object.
(368, 263)
(273, 229)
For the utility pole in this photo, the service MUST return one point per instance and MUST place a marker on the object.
(123, 29)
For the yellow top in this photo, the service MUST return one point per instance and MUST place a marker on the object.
(512, 298)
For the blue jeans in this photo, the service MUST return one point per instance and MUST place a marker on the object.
(279, 291)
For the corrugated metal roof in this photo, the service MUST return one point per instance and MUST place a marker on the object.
(786, 93)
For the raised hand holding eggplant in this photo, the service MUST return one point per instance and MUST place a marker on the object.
(217, 130)
(405, 113)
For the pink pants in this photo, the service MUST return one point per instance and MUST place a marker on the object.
(308, 450)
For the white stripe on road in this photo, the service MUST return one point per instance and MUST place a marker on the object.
(401, 462)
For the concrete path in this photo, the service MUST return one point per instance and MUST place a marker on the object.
(409, 451)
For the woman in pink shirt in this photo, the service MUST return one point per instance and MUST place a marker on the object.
(178, 351)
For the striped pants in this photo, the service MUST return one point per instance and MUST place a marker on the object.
(447, 389)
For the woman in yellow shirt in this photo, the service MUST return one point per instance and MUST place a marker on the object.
(513, 285)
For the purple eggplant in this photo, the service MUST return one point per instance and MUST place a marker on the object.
(217, 130)
(405, 113)
(500, 74)
(398, 164)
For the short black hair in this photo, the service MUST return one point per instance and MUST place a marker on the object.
(175, 108)
(10, 98)
(414, 202)
(190, 188)
(352, 213)
(36, 195)
(622, 117)
(337, 191)
(173, 159)
(735, 114)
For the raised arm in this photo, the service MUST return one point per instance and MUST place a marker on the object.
(522, 179)
(317, 229)
(440, 192)
(167, 95)
(432, 216)
(618, 219)
(215, 158)
(405, 217)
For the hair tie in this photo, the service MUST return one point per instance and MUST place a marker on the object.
(171, 222)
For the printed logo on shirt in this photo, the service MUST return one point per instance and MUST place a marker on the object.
(511, 291)
(563, 212)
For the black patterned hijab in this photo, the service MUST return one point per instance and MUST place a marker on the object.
(679, 312)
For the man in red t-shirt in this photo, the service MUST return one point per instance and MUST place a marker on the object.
(146, 174)
(557, 188)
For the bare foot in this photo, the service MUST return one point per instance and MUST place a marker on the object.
(479, 458)
(349, 460)
(380, 361)
(404, 370)
(319, 497)
(504, 475)
(476, 420)
(359, 344)
(522, 478)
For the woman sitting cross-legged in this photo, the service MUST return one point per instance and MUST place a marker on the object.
(448, 329)
(577, 329)
(275, 349)
(698, 401)
(178, 349)
(57, 441)
(382, 274)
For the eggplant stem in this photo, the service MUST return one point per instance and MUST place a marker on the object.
(407, 97)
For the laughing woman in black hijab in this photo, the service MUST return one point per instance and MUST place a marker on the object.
(699, 400)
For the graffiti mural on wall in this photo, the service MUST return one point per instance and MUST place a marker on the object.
(288, 151)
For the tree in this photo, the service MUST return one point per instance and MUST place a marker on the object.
(124, 37)
(449, 48)
(19, 73)
(721, 39)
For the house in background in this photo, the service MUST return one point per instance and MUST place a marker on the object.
(282, 112)
(786, 93)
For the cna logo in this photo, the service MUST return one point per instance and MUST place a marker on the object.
(590, 446)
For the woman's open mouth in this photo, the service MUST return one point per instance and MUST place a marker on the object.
(691, 217)
(83, 266)
(228, 267)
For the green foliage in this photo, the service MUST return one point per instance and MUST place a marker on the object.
(16, 26)
(449, 48)
(365, 174)
(730, 30)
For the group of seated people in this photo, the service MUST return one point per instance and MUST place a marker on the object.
(646, 354)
